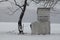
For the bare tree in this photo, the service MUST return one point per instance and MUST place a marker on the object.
(23, 8)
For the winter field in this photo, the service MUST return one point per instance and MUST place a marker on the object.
(9, 26)
(9, 31)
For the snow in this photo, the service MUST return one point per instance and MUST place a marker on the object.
(9, 31)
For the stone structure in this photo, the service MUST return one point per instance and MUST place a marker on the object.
(42, 25)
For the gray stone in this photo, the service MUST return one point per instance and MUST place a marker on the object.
(40, 27)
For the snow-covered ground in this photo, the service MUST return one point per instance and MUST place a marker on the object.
(9, 31)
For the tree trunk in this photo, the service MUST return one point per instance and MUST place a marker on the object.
(21, 17)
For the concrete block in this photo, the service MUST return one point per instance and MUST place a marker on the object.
(40, 27)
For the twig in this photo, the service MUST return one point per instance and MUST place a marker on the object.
(18, 5)
(13, 12)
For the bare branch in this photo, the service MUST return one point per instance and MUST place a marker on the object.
(18, 5)
(13, 12)
(11, 3)
(55, 3)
